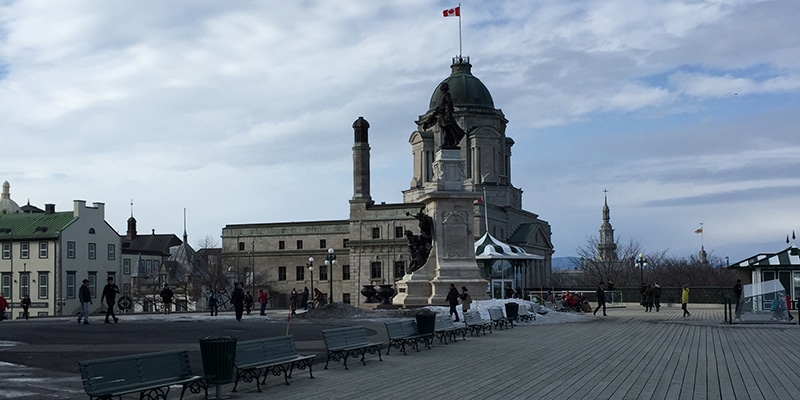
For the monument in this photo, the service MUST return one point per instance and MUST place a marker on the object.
(443, 252)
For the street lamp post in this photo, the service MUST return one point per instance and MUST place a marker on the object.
(330, 261)
(641, 262)
(311, 271)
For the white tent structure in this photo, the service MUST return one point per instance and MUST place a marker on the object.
(506, 266)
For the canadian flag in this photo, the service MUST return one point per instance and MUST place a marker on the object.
(452, 12)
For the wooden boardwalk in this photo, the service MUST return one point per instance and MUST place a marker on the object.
(627, 355)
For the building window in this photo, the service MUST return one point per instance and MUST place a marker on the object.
(299, 245)
(281, 273)
(42, 249)
(300, 273)
(376, 233)
(92, 251)
(24, 284)
(281, 245)
(112, 252)
(345, 272)
(375, 270)
(241, 246)
(91, 231)
(93, 283)
(70, 249)
(323, 272)
(71, 284)
(44, 285)
(323, 243)
(24, 250)
(398, 232)
(399, 269)
(346, 298)
(345, 243)
(6, 251)
(5, 285)
(126, 266)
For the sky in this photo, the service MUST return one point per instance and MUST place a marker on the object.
(685, 111)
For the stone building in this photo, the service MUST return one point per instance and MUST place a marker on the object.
(370, 247)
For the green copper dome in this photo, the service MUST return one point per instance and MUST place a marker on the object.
(465, 89)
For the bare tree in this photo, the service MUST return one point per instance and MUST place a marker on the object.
(619, 269)
(208, 242)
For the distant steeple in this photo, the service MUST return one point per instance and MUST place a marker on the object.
(8, 206)
(606, 248)
(131, 225)
(703, 255)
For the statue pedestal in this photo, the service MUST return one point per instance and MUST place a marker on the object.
(452, 259)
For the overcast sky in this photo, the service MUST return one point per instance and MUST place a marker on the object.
(687, 112)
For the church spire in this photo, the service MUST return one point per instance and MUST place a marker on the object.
(606, 248)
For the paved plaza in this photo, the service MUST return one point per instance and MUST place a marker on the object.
(628, 355)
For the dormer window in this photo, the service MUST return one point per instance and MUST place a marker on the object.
(91, 231)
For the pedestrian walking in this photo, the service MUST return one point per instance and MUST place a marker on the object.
(685, 300)
(657, 296)
(3, 306)
(25, 303)
(452, 299)
(110, 292)
(293, 301)
(85, 297)
(318, 295)
(304, 300)
(737, 297)
(466, 299)
(237, 298)
(213, 303)
(248, 302)
(263, 297)
(166, 297)
(648, 299)
(601, 299)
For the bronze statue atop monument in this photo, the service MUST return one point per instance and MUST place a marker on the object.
(443, 115)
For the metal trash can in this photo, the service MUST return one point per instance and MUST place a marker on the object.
(512, 310)
(218, 354)
(426, 322)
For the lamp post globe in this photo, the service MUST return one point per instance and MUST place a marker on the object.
(311, 272)
(330, 261)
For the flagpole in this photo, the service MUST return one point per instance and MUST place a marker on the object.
(702, 231)
(459, 36)
(486, 209)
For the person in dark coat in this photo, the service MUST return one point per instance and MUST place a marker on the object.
(166, 297)
(85, 297)
(237, 299)
(452, 299)
(25, 303)
(601, 299)
(293, 298)
(657, 297)
(304, 299)
(110, 292)
(648, 299)
(248, 302)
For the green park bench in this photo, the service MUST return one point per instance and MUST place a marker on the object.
(445, 329)
(499, 319)
(275, 355)
(404, 332)
(149, 374)
(476, 324)
(351, 341)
